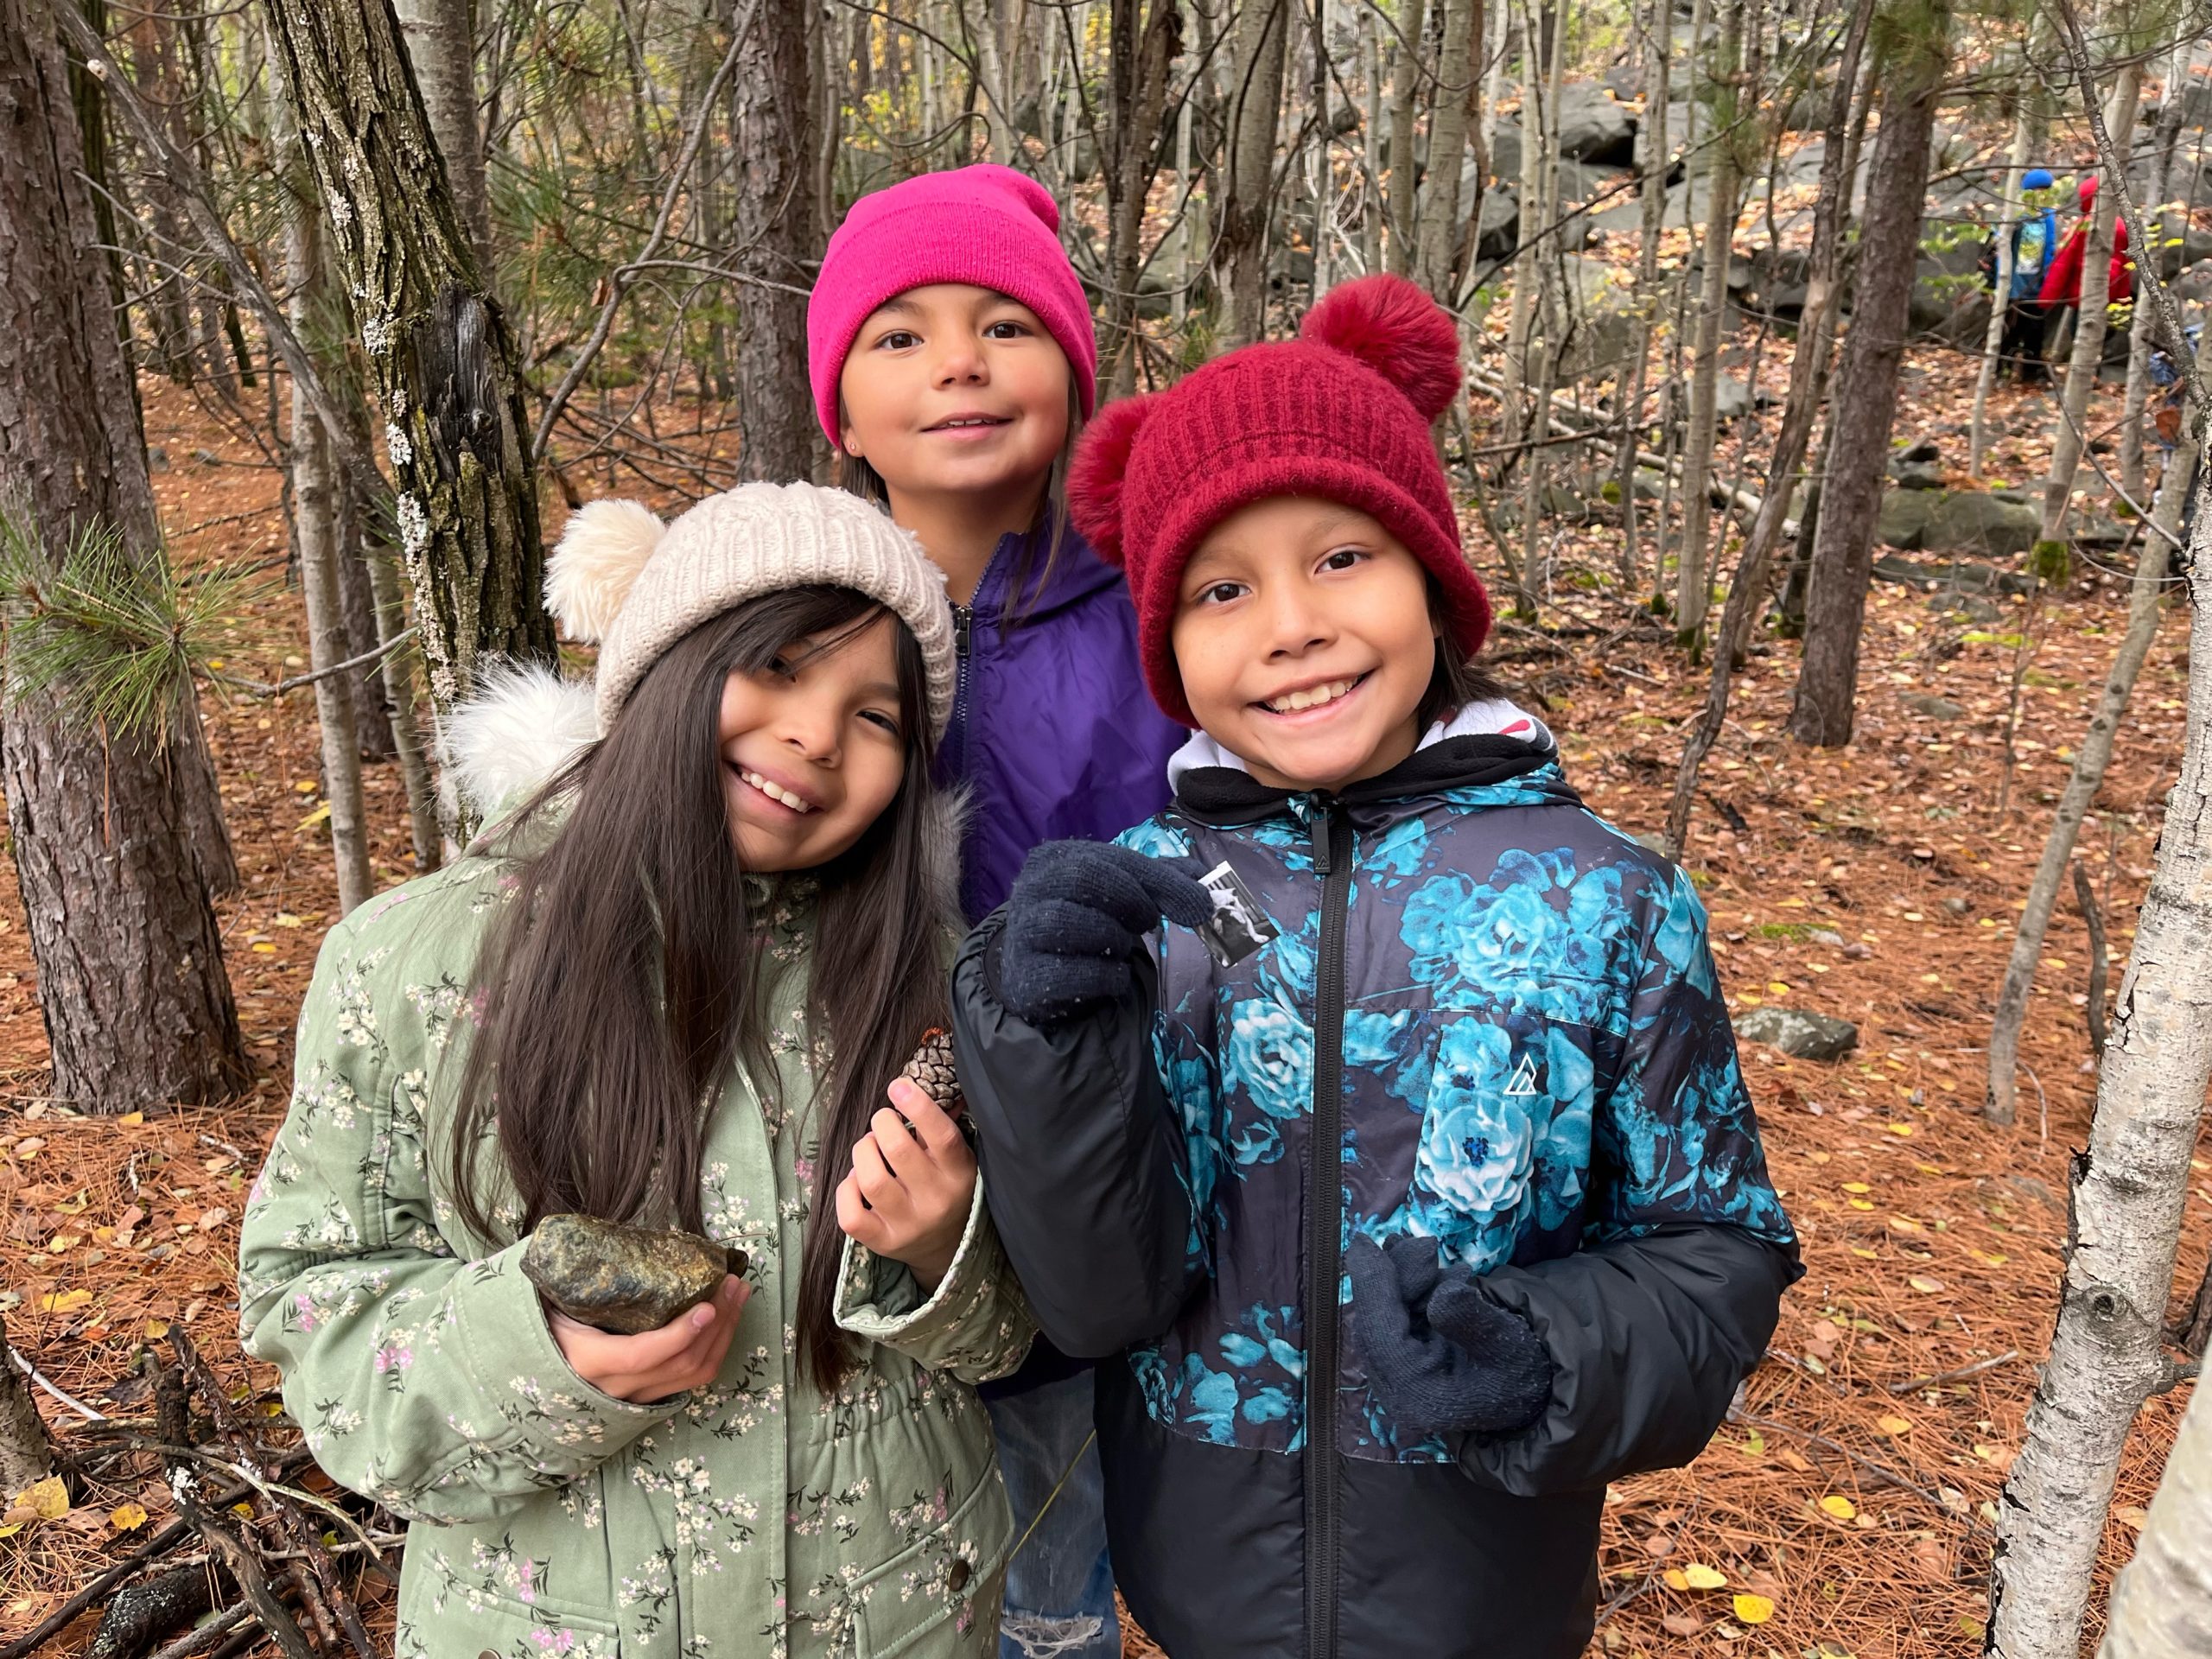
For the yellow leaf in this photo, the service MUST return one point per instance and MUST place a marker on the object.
(315, 816)
(1857, 1186)
(244, 1510)
(285, 918)
(1702, 1577)
(1860, 1204)
(1677, 1579)
(1901, 1128)
(1838, 1506)
(305, 786)
(49, 1499)
(1903, 1225)
(10, 1529)
(127, 1517)
(1893, 1425)
(1926, 1287)
(1861, 1250)
(264, 949)
(131, 1120)
(1990, 1258)
(64, 1301)
(1753, 1609)
(155, 1330)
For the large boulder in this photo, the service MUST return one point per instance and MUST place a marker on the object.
(1973, 521)
(1602, 297)
(1798, 1033)
(1594, 126)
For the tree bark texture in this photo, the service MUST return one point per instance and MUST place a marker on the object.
(1450, 119)
(772, 222)
(1407, 74)
(1865, 395)
(1999, 1102)
(25, 1453)
(1140, 45)
(136, 1005)
(441, 47)
(2162, 1602)
(443, 363)
(1255, 102)
(2128, 1189)
(317, 490)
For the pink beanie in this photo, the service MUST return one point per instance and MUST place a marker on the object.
(986, 224)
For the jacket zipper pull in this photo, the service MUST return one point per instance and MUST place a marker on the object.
(961, 615)
(1324, 831)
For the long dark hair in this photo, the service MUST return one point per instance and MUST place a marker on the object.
(625, 979)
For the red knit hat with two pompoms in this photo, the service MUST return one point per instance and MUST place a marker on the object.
(1342, 413)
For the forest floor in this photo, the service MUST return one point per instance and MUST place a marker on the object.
(1848, 1511)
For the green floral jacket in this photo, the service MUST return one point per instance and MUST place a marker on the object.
(755, 1517)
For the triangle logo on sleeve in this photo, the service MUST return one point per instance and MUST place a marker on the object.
(1523, 1083)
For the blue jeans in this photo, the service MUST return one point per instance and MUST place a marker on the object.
(1060, 1587)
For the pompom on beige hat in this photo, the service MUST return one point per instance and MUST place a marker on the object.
(622, 580)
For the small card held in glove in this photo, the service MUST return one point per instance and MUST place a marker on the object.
(1238, 925)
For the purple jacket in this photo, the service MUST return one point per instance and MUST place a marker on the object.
(1053, 732)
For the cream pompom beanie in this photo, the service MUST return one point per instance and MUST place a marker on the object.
(622, 580)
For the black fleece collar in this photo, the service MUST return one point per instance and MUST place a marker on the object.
(1224, 796)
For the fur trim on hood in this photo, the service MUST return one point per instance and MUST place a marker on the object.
(524, 723)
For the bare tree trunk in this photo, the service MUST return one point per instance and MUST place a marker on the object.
(1808, 376)
(2128, 1189)
(136, 1005)
(2090, 761)
(1139, 52)
(26, 1453)
(438, 347)
(1407, 74)
(1651, 204)
(316, 516)
(442, 45)
(2141, 335)
(1867, 388)
(772, 107)
(1452, 119)
(1372, 211)
(2090, 322)
(1692, 577)
(1256, 102)
(1535, 161)
(2162, 1601)
(998, 110)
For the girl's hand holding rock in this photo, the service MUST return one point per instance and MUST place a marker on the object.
(685, 1353)
(912, 1186)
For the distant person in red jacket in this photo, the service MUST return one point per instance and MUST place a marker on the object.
(2062, 284)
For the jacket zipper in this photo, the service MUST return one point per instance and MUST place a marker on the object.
(1323, 1235)
(964, 617)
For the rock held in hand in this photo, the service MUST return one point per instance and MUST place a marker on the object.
(623, 1280)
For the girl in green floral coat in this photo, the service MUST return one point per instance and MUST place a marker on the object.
(673, 986)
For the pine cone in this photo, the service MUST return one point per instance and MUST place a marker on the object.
(933, 1070)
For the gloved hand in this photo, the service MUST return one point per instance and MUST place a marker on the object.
(1440, 1352)
(1076, 922)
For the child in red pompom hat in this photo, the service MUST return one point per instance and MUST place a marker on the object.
(1374, 1106)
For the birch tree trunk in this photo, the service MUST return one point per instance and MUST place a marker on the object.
(131, 980)
(316, 518)
(1864, 404)
(2162, 1601)
(443, 363)
(1256, 101)
(2089, 321)
(441, 47)
(771, 109)
(2105, 1354)
(1651, 205)
(1452, 119)
(1520, 317)
(2140, 336)
(2090, 762)
(1693, 576)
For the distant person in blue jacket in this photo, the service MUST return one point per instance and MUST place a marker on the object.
(1399, 1170)
(2035, 240)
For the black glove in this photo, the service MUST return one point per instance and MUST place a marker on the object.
(1077, 919)
(1440, 1353)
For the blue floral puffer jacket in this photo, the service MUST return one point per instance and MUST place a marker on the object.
(1490, 1019)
